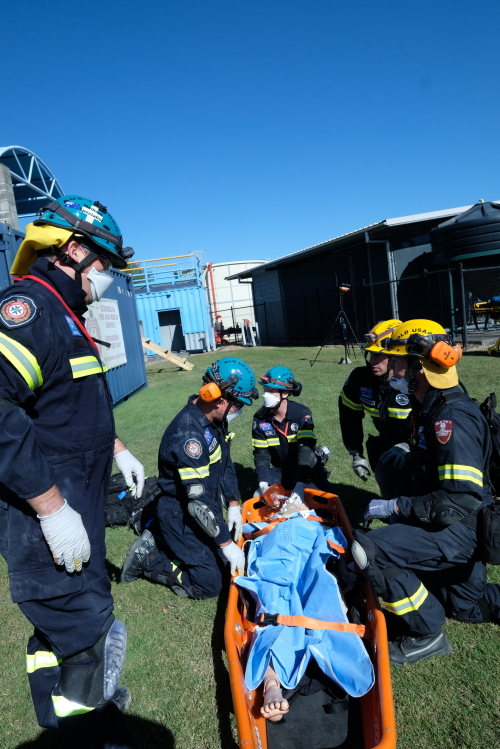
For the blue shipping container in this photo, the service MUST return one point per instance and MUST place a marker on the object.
(172, 302)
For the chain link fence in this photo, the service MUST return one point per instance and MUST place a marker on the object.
(462, 300)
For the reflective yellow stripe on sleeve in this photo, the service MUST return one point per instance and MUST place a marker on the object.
(306, 433)
(82, 366)
(399, 413)
(201, 472)
(405, 605)
(216, 455)
(350, 403)
(259, 443)
(291, 437)
(460, 473)
(372, 411)
(22, 360)
(41, 659)
(63, 708)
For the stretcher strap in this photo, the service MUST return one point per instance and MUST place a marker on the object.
(271, 525)
(309, 623)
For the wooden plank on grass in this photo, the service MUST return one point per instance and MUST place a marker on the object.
(179, 360)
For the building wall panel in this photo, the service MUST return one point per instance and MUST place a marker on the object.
(192, 302)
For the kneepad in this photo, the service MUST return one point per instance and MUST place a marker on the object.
(90, 678)
(204, 517)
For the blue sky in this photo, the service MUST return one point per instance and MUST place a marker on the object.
(253, 129)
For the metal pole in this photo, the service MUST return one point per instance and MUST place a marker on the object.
(267, 329)
(463, 305)
(305, 318)
(391, 266)
(452, 302)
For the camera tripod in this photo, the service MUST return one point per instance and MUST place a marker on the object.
(344, 323)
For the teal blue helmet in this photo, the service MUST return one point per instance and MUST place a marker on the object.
(235, 378)
(281, 378)
(90, 218)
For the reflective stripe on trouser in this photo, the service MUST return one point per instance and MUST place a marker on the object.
(63, 708)
(82, 366)
(22, 360)
(44, 672)
(411, 602)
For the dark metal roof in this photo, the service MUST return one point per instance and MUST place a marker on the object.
(318, 248)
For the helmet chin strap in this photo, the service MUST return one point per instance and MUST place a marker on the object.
(65, 259)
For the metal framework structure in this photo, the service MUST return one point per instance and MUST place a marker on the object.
(32, 180)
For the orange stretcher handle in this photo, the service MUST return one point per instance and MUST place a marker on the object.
(309, 623)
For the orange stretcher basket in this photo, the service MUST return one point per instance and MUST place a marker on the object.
(377, 706)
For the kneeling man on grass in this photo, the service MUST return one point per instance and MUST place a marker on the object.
(197, 477)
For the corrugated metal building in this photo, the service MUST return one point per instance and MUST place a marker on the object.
(172, 303)
(296, 296)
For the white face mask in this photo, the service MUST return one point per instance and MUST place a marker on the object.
(270, 400)
(100, 281)
(234, 415)
(400, 384)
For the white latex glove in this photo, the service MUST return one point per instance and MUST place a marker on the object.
(234, 520)
(129, 467)
(360, 467)
(235, 557)
(298, 492)
(66, 537)
(263, 487)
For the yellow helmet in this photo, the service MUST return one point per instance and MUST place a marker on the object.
(378, 333)
(397, 346)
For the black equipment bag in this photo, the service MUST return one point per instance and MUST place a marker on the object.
(487, 408)
(124, 509)
(488, 531)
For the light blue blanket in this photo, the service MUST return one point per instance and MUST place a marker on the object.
(286, 574)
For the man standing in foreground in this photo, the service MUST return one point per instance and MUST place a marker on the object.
(57, 442)
(197, 477)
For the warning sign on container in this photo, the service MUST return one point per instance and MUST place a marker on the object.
(103, 322)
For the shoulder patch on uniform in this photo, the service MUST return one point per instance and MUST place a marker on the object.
(265, 425)
(294, 427)
(254, 424)
(192, 447)
(208, 435)
(72, 325)
(403, 400)
(443, 429)
(307, 417)
(17, 310)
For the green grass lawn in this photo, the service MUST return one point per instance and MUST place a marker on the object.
(175, 664)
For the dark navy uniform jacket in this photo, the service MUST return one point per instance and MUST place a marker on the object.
(194, 462)
(56, 427)
(276, 444)
(450, 457)
(364, 393)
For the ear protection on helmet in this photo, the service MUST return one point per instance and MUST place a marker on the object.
(296, 388)
(210, 392)
(438, 348)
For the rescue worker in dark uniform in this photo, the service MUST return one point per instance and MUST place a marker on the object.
(197, 477)
(283, 440)
(426, 563)
(57, 445)
(367, 390)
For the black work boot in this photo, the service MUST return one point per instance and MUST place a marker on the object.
(122, 698)
(410, 649)
(138, 556)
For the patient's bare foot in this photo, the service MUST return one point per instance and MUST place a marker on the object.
(275, 707)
